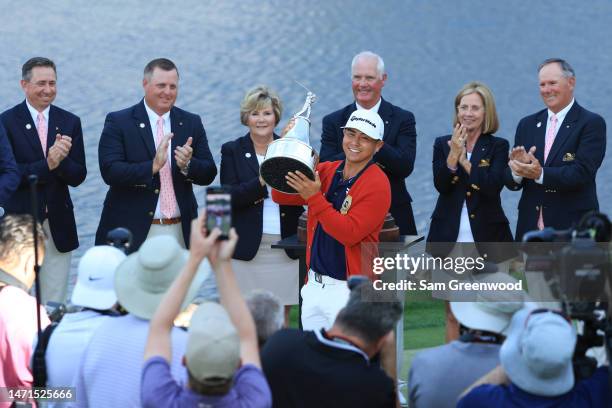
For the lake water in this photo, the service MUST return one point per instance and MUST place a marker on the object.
(222, 48)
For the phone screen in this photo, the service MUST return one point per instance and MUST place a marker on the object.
(218, 210)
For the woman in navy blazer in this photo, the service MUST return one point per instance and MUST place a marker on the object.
(257, 219)
(468, 169)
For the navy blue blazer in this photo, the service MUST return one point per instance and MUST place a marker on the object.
(395, 158)
(480, 190)
(240, 172)
(568, 190)
(126, 152)
(52, 188)
(9, 173)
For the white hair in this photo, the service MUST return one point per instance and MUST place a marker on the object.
(267, 312)
(380, 64)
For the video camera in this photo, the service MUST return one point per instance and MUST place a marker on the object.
(577, 266)
(577, 262)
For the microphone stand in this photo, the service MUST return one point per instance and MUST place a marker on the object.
(33, 179)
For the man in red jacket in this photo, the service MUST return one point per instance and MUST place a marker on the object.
(347, 204)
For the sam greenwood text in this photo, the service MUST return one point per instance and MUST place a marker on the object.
(454, 284)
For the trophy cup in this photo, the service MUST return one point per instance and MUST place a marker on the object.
(291, 152)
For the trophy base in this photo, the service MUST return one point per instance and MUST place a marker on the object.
(274, 170)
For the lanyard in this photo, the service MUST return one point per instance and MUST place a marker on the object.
(12, 281)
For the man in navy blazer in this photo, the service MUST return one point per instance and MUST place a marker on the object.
(396, 158)
(137, 146)
(556, 155)
(47, 142)
(9, 174)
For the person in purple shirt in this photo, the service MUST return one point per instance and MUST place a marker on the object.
(222, 356)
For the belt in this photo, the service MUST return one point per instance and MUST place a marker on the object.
(165, 221)
(324, 279)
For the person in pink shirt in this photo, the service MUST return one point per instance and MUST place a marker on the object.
(18, 327)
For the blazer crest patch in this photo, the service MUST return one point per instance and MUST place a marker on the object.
(346, 205)
(484, 163)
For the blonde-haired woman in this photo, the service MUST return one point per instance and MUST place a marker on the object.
(257, 219)
(468, 171)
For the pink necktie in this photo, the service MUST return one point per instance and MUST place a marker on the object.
(166, 191)
(41, 126)
(550, 136)
(548, 142)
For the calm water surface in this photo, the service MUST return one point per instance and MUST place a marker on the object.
(431, 48)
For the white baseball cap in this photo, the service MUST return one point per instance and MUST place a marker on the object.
(368, 122)
(95, 282)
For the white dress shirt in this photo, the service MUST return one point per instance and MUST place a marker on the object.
(465, 229)
(271, 210)
(373, 108)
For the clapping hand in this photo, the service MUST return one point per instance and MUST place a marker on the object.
(519, 154)
(457, 142)
(525, 164)
(161, 156)
(457, 146)
(183, 154)
(58, 152)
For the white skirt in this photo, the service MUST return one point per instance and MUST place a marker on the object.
(270, 270)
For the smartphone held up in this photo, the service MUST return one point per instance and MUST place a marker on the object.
(219, 210)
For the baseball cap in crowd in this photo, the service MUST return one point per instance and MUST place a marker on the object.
(488, 316)
(537, 354)
(96, 276)
(368, 122)
(213, 345)
(144, 277)
(493, 310)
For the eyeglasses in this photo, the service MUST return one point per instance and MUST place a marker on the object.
(544, 310)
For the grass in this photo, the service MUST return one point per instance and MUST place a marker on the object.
(424, 320)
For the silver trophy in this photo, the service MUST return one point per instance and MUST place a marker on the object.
(291, 152)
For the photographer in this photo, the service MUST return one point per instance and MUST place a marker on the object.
(536, 368)
(109, 373)
(18, 322)
(221, 357)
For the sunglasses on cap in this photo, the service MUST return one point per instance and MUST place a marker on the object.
(544, 310)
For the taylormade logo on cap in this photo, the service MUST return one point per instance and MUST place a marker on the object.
(362, 119)
(368, 122)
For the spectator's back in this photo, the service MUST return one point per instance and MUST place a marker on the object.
(109, 375)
